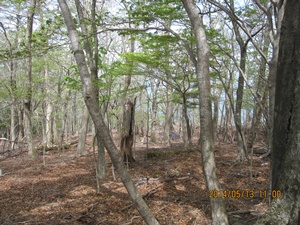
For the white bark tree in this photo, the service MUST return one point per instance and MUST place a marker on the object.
(219, 214)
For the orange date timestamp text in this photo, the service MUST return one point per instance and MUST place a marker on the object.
(236, 193)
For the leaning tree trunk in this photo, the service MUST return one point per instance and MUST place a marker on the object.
(127, 132)
(92, 103)
(218, 210)
(285, 209)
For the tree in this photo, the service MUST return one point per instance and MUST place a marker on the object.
(285, 169)
(274, 15)
(92, 103)
(219, 214)
(28, 82)
(242, 148)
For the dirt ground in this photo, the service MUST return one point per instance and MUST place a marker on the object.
(60, 188)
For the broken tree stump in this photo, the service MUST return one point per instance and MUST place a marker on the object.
(127, 131)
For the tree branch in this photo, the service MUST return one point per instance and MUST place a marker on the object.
(241, 24)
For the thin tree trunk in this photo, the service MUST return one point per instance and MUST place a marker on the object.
(20, 124)
(184, 130)
(242, 150)
(49, 109)
(94, 109)
(168, 119)
(187, 122)
(216, 117)
(261, 88)
(83, 132)
(242, 147)
(219, 214)
(73, 119)
(155, 86)
(63, 127)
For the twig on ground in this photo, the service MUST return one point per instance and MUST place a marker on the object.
(131, 220)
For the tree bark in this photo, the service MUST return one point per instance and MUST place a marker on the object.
(219, 214)
(285, 152)
(94, 109)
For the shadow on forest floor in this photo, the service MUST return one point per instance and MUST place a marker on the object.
(63, 191)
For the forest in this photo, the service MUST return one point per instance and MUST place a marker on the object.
(150, 112)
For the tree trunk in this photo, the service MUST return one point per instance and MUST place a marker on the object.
(83, 132)
(169, 113)
(184, 133)
(261, 92)
(101, 166)
(127, 132)
(94, 109)
(154, 87)
(73, 119)
(242, 146)
(49, 110)
(216, 114)
(28, 82)
(285, 152)
(187, 123)
(20, 123)
(219, 214)
(272, 75)
(242, 150)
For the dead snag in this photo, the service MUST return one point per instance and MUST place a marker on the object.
(127, 131)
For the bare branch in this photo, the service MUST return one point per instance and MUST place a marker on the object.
(241, 24)
(261, 6)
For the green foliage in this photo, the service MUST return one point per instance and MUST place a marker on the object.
(70, 82)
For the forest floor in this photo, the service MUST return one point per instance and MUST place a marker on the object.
(60, 188)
